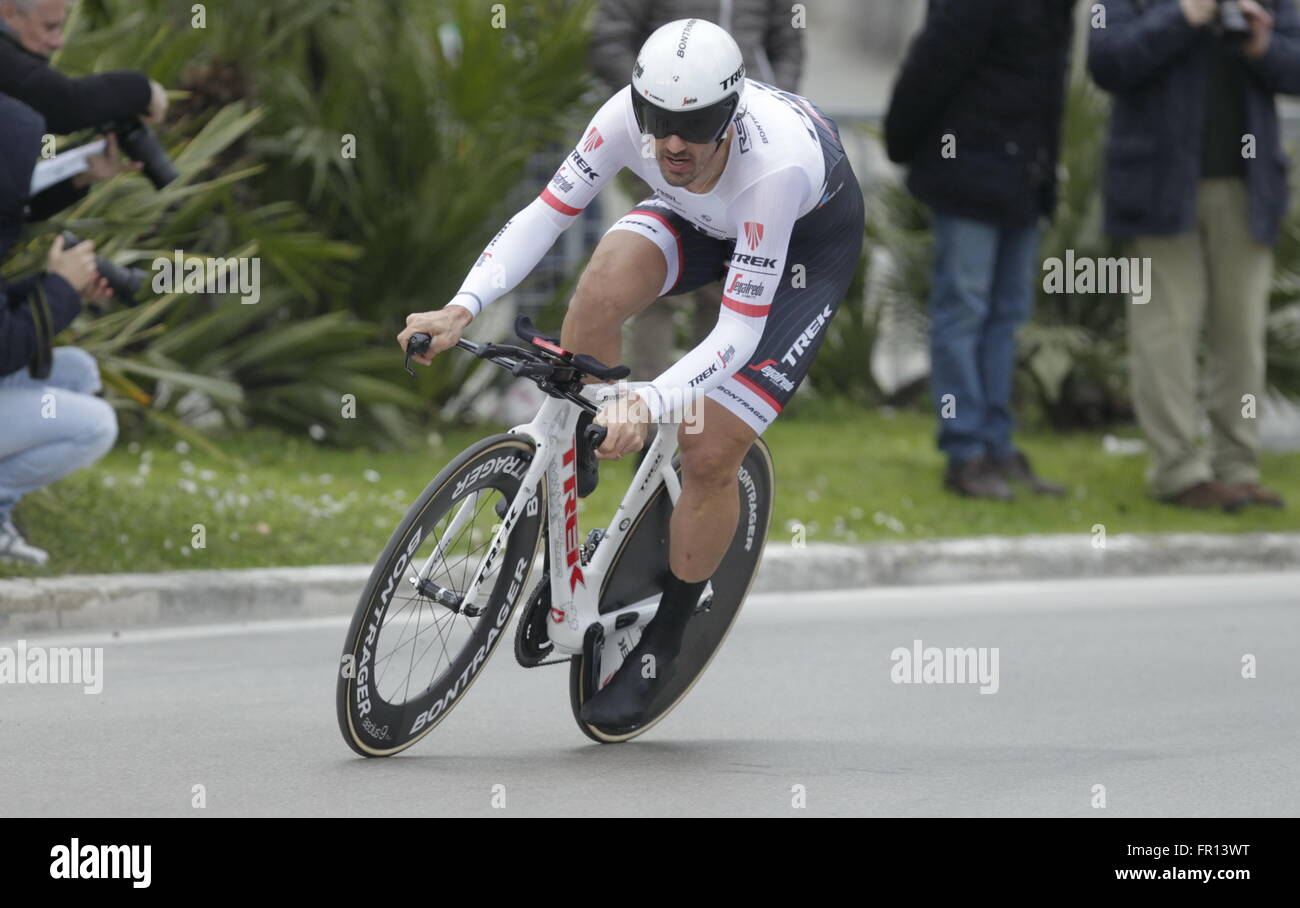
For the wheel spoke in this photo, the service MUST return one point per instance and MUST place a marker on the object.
(398, 621)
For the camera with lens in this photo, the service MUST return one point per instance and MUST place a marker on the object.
(140, 144)
(1232, 22)
(124, 282)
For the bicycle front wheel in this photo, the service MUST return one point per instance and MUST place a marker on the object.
(411, 654)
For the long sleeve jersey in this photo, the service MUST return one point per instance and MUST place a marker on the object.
(775, 173)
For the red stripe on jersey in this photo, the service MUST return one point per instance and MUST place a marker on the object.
(746, 308)
(767, 398)
(549, 198)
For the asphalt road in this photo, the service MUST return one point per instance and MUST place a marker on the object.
(1133, 684)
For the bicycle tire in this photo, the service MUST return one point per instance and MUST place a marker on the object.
(708, 630)
(375, 726)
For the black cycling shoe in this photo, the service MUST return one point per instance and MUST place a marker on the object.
(622, 704)
(587, 466)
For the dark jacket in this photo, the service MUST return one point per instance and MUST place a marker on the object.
(1154, 64)
(772, 48)
(69, 104)
(20, 138)
(991, 74)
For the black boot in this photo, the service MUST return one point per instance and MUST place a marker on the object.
(586, 466)
(623, 702)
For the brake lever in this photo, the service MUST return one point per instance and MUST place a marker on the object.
(416, 345)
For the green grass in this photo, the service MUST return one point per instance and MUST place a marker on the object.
(845, 475)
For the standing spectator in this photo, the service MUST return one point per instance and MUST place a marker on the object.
(976, 113)
(1196, 182)
(773, 53)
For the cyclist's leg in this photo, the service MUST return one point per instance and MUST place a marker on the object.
(704, 519)
(827, 245)
(650, 252)
(624, 276)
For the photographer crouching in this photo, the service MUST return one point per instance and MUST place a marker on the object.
(31, 30)
(51, 422)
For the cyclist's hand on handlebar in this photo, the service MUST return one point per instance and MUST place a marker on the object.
(443, 325)
(627, 420)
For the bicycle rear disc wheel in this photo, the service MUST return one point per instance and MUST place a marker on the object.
(408, 659)
(635, 574)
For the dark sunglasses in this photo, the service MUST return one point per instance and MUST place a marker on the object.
(699, 127)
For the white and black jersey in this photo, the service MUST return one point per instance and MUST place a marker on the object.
(783, 225)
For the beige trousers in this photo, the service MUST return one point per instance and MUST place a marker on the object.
(1211, 282)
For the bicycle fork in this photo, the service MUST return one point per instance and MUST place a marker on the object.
(525, 500)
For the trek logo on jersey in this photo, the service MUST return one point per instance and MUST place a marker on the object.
(699, 379)
(733, 78)
(561, 182)
(583, 166)
(767, 369)
(753, 233)
(751, 289)
(802, 342)
(727, 355)
(593, 141)
(753, 261)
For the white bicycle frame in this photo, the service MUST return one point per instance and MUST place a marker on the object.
(575, 587)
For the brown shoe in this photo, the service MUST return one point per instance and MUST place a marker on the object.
(976, 479)
(1208, 495)
(1254, 493)
(1015, 468)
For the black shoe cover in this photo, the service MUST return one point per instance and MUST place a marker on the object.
(623, 703)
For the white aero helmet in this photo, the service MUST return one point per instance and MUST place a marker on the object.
(687, 82)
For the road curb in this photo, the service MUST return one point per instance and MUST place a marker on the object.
(110, 601)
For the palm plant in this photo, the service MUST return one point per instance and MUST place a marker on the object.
(444, 109)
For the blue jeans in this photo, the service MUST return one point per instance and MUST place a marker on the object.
(52, 427)
(982, 289)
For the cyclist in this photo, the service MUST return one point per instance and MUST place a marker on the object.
(751, 183)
